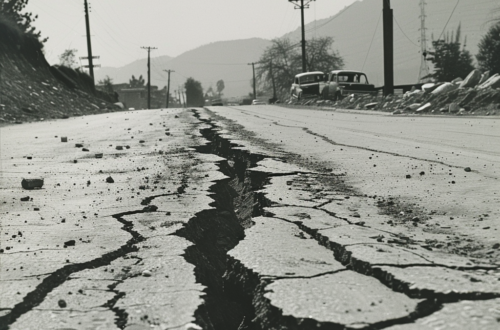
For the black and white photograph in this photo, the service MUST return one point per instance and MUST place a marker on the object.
(249, 165)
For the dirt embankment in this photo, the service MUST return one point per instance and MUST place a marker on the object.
(32, 90)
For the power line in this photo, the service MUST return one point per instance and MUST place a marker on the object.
(449, 18)
(397, 23)
(371, 42)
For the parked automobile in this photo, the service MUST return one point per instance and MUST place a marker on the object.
(307, 84)
(340, 83)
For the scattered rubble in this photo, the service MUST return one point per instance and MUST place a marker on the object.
(478, 94)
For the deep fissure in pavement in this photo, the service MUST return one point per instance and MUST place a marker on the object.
(216, 231)
(247, 289)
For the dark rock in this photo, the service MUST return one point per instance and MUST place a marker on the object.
(496, 246)
(62, 303)
(110, 180)
(150, 208)
(70, 243)
(99, 155)
(64, 139)
(85, 149)
(408, 176)
(467, 169)
(25, 199)
(119, 148)
(78, 145)
(32, 183)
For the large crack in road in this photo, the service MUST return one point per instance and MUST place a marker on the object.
(281, 246)
(248, 288)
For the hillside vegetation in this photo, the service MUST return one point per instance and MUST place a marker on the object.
(31, 90)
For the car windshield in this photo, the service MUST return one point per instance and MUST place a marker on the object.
(311, 78)
(353, 78)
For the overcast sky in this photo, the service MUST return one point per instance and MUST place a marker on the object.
(120, 27)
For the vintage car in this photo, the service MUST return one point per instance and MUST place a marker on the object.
(307, 84)
(340, 83)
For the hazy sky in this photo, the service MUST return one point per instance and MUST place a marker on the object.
(120, 27)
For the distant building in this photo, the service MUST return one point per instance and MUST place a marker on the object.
(137, 97)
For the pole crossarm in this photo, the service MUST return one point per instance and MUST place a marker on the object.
(299, 6)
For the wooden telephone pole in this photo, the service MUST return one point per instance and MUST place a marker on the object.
(299, 4)
(388, 48)
(168, 86)
(89, 44)
(149, 74)
(254, 91)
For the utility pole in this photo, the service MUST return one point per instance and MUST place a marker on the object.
(89, 44)
(253, 68)
(168, 85)
(302, 6)
(272, 79)
(149, 74)
(424, 69)
(388, 48)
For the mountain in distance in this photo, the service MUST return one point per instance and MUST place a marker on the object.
(226, 60)
(136, 68)
(357, 33)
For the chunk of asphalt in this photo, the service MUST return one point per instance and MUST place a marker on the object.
(32, 183)
(71, 242)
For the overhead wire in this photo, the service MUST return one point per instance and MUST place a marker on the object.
(397, 23)
(371, 42)
(449, 18)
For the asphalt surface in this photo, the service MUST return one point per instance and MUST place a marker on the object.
(351, 220)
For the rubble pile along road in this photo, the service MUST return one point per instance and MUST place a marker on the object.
(251, 217)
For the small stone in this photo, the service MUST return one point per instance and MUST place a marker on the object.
(62, 303)
(78, 145)
(71, 242)
(146, 273)
(110, 180)
(119, 147)
(32, 183)
(99, 155)
(150, 208)
(64, 139)
(467, 169)
(408, 176)
(191, 326)
(85, 149)
(422, 173)
(25, 199)
(496, 246)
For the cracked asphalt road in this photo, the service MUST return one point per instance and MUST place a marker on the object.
(256, 217)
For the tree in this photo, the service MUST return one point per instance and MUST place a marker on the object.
(449, 60)
(12, 9)
(488, 56)
(220, 87)
(194, 93)
(107, 84)
(68, 58)
(281, 61)
(136, 83)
